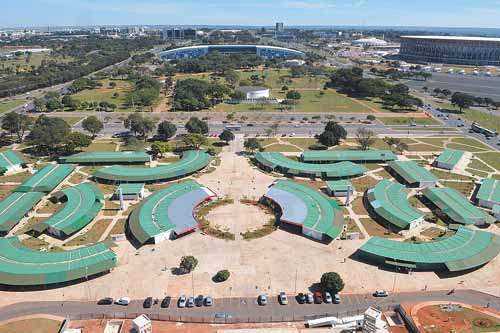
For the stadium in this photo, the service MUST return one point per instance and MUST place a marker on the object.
(475, 51)
(265, 52)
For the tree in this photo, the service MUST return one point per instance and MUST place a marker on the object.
(53, 104)
(76, 140)
(332, 282)
(166, 130)
(17, 124)
(274, 127)
(337, 129)
(92, 125)
(232, 77)
(194, 140)
(462, 100)
(188, 263)
(139, 124)
(222, 276)
(226, 136)
(238, 95)
(252, 144)
(328, 138)
(39, 104)
(365, 138)
(195, 125)
(158, 148)
(49, 133)
(371, 117)
(294, 95)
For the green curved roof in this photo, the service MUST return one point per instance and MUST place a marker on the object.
(456, 206)
(303, 205)
(21, 266)
(9, 159)
(411, 172)
(47, 178)
(390, 201)
(466, 249)
(281, 163)
(167, 210)
(107, 157)
(15, 206)
(489, 190)
(84, 202)
(192, 161)
(348, 155)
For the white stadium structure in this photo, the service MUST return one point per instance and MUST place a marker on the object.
(255, 92)
(366, 42)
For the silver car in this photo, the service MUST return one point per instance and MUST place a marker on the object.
(327, 297)
(181, 303)
(190, 302)
(309, 298)
(262, 299)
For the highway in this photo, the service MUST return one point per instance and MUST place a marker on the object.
(244, 309)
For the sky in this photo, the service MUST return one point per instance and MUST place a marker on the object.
(430, 13)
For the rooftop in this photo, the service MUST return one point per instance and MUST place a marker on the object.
(457, 38)
(411, 172)
(348, 155)
(489, 190)
(247, 89)
(341, 185)
(107, 157)
(450, 157)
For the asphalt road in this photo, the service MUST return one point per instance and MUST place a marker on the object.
(244, 309)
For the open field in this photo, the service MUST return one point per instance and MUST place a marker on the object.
(92, 236)
(9, 105)
(38, 325)
(408, 121)
(105, 94)
(487, 119)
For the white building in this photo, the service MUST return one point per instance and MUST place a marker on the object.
(366, 42)
(142, 324)
(294, 63)
(254, 92)
(373, 321)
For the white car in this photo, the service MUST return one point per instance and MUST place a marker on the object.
(327, 297)
(181, 303)
(282, 298)
(123, 301)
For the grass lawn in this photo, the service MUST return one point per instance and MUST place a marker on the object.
(363, 183)
(111, 208)
(478, 165)
(267, 141)
(281, 148)
(77, 178)
(408, 120)
(423, 147)
(484, 118)
(492, 158)
(105, 94)
(358, 207)
(28, 225)
(434, 141)
(442, 174)
(5, 190)
(477, 173)
(38, 325)
(15, 178)
(471, 142)
(101, 146)
(72, 120)
(92, 236)
(463, 187)
(464, 147)
(304, 143)
(34, 243)
(50, 208)
(9, 105)
(375, 229)
(119, 227)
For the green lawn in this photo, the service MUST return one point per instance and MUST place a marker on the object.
(101, 146)
(442, 174)
(459, 146)
(492, 158)
(282, 148)
(408, 120)
(471, 142)
(478, 165)
(72, 120)
(92, 236)
(105, 94)
(486, 119)
(38, 325)
(9, 105)
(463, 187)
(434, 141)
(423, 147)
(304, 143)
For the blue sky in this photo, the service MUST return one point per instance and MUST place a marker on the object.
(442, 13)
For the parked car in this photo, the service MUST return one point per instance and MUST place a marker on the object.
(318, 297)
(309, 298)
(181, 303)
(148, 302)
(301, 298)
(336, 299)
(262, 299)
(190, 302)
(209, 301)
(199, 300)
(105, 301)
(327, 297)
(123, 301)
(282, 298)
(380, 293)
(165, 303)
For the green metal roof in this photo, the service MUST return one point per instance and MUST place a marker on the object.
(10, 158)
(411, 172)
(84, 201)
(192, 161)
(489, 190)
(107, 157)
(390, 201)
(465, 250)
(21, 266)
(348, 155)
(456, 206)
(496, 209)
(450, 157)
(281, 163)
(170, 209)
(341, 185)
(47, 178)
(130, 188)
(15, 206)
(321, 214)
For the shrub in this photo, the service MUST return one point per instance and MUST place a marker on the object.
(332, 282)
(222, 276)
(318, 146)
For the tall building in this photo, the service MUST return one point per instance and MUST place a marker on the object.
(280, 27)
(178, 33)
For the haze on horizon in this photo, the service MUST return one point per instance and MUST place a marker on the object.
(445, 13)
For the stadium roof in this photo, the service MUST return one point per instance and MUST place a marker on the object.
(456, 206)
(10, 158)
(170, 209)
(21, 266)
(390, 201)
(348, 155)
(84, 202)
(489, 190)
(247, 89)
(192, 161)
(15, 206)
(47, 178)
(456, 38)
(450, 156)
(107, 157)
(279, 162)
(341, 185)
(465, 250)
(411, 172)
(307, 207)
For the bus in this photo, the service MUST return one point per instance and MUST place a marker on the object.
(476, 127)
(233, 128)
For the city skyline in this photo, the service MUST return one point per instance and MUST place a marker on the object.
(460, 13)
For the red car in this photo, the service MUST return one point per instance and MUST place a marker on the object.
(318, 297)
